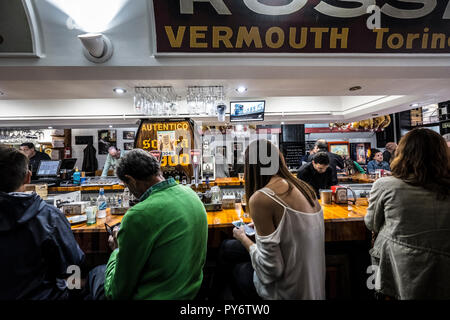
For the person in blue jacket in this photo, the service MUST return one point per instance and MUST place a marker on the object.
(377, 163)
(37, 245)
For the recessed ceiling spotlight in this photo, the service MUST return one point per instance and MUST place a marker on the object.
(355, 88)
(414, 105)
(119, 90)
(241, 89)
(282, 123)
(110, 126)
(50, 127)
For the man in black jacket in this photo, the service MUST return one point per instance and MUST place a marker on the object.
(37, 245)
(34, 157)
(317, 173)
(335, 159)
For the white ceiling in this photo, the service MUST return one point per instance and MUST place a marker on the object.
(292, 100)
(257, 88)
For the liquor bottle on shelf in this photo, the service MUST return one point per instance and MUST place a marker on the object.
(192, 185)
(207, 186)
(207, 197)
(76, 177)
(126, 198)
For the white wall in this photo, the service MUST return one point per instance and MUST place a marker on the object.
(77, 150)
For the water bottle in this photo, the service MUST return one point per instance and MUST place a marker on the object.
(101, 204)
(76, 177)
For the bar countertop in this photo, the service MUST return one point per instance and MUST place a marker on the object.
(342, 223)
(224, 218)
(221, 182)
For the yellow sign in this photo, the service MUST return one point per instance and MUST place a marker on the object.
(173, 139)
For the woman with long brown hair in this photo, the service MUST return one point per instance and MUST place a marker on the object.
(410, 213)
(287, 260)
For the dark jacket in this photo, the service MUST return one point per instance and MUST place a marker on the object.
(90, 162)
(315, 179)
(335, 161)
(36, 248)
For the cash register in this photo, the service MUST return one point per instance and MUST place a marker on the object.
(48, 172)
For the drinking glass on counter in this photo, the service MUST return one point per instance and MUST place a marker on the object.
(91, 213)
(237, 207)
(326, 196)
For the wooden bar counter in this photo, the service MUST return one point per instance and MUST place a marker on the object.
(221, 182)
(356, 178)
(342, 223)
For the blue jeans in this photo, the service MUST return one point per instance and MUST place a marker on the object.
(95, 283)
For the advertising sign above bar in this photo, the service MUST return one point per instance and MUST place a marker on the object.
(170, 141)
(302, 26)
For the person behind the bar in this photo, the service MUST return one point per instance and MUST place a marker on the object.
(35, 157)
(377, 163)
(288, 259)
(36, 243)
(410, 212)
(160, 249)
(111, 161)
(389, 153)
(317, 173)
(336, 160)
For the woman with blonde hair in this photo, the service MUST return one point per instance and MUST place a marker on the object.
(410, 213)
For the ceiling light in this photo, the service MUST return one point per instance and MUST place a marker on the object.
(2, 93)
(414, 105)
(241, 89)
(96, 47)
(355, 88)
(119, 90)
(50, 127)
(110, 126)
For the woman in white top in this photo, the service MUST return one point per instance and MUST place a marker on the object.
(288, 259)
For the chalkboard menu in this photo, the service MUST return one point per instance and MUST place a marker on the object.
(293, 153)
(293, 133)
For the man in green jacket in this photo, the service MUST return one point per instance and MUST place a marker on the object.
(160, 248)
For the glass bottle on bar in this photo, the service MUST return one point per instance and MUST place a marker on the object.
(101, 204)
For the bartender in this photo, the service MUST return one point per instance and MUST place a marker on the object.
(114, 155)
(317, 173)
(34, 157)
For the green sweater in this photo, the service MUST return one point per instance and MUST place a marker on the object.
(162, 247)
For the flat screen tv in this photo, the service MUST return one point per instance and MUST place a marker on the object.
(247, 110)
